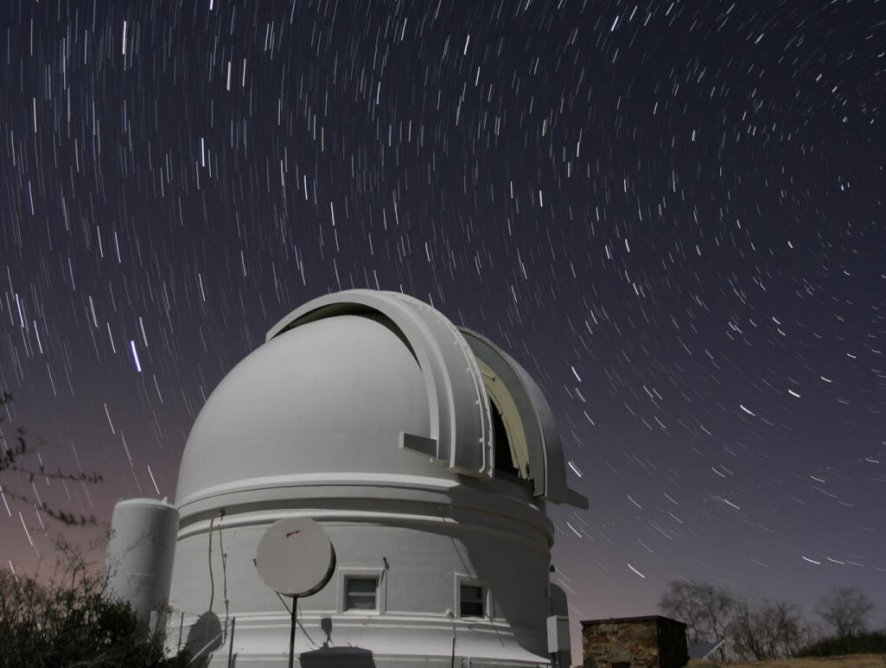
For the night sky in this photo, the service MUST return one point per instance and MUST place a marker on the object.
(671, 213)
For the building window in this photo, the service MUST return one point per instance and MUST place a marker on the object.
(361, 593)
(472, 601)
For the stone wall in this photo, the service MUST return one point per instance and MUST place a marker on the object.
(640, 642)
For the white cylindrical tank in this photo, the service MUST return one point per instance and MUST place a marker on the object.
(140, 555)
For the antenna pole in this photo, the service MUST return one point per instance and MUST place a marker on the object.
(292, 631)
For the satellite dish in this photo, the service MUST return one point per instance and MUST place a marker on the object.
(295, 557)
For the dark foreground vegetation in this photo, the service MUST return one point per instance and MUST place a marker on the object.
(765, 629)
(871, 642)
(67, 620)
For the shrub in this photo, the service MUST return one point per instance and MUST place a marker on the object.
(860, 643)
(68, 621)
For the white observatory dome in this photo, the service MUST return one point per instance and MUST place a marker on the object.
(423, 451)
(332, 395)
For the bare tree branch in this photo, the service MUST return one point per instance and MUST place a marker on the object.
(16, 460)
(845, 610)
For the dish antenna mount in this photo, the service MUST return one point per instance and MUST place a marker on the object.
(295, 558)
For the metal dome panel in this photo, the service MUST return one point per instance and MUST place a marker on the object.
(461, 425)
(547, 469)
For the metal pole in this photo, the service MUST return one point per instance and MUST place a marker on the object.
(231, 647)
(292, 632)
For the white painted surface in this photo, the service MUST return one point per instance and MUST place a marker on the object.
(140, 554)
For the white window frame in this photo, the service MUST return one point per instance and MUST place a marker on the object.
(378, 574)
(462, 579)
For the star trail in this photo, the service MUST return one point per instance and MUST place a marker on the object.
(671, 213)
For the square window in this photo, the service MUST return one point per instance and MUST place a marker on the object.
(472, 601)
(361, 593)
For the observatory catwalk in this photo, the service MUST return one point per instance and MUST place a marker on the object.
(421, 451)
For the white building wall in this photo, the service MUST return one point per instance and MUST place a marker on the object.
(420, 541)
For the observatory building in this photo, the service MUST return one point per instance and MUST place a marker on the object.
(424, 452)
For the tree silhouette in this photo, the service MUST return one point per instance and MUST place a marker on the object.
(845, 610)
(22, 459)
(705, 609)
(70, 620)
(766, 630)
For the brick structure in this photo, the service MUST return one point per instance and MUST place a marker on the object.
(634, 642)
